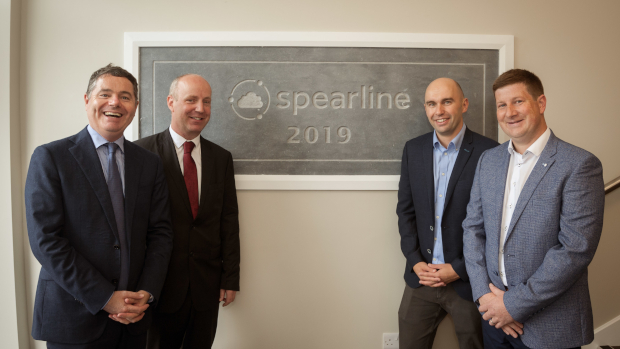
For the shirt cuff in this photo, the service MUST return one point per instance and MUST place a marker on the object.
(108, 301)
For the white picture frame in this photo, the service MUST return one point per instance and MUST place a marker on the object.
(133, 41)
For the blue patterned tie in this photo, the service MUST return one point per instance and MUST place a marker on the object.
(115, 186)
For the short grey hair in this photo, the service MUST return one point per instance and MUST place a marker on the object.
(112, 70)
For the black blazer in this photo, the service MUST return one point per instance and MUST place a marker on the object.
(416, 205)
(205, 254)
(73, 234)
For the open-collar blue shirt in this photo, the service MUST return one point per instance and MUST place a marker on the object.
(443, 163)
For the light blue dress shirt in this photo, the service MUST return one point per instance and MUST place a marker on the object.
(102, 151)
(443, 163)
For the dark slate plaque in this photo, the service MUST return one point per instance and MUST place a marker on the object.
(318, 110)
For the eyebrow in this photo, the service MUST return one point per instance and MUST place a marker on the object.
(196, 97)
(443, 100)
(110, 90)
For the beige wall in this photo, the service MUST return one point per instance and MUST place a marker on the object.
(323, 269)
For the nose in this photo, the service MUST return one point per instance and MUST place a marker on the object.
(439, 110)
(113, 100)
(511, 110)
(200, 107)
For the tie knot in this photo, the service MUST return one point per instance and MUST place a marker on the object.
(112, 147)
(188, 147)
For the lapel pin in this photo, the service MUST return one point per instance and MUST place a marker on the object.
(545, 165)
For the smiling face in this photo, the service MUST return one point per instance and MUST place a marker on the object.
(520, 115)
(445, 104)
(191, 106)
(111, 106)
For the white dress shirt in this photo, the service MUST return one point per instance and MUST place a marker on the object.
(519, 170)
(178, 143)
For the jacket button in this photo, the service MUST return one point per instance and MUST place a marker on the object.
(117, 247)
(429, 251)
(115, 281)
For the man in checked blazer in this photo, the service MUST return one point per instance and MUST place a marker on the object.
(437, 172)
(533, 225)
(204, 267)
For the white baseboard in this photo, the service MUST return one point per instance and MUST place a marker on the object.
(607, 334)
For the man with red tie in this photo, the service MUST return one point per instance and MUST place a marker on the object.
(204, 267)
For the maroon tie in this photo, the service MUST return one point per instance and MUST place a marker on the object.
(191, 176)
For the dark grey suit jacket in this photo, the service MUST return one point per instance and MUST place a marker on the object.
(206, 253)
(73, 234)
(416, 205)
(553, 234)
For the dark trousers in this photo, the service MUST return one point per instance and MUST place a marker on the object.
(495, 338)
(187, 327)
(115, 335)
(423, 308)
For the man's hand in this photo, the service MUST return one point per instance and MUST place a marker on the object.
(127, 312)
(427, 275)
(494, 309)
(514, 328)
(227, 296)
(445, 272)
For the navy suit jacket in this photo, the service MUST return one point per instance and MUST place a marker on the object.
(416, 205)
(73, 234)
(553, 234)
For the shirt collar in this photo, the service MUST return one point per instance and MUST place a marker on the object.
(99, 140)
(537, 147)
(179, 140)
(456, 141)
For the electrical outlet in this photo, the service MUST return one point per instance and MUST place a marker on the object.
(390, 341)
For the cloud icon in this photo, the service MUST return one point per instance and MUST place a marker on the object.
(250, 100)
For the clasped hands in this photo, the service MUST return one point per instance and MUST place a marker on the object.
(435, 275)
(493, 309)
(127, 307)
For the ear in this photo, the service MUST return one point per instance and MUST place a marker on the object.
(465, 104)
(170, 102)
(542, 103)
(85, 100)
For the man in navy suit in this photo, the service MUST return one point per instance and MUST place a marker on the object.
(533, 225)
(98, 222)
(436, 177)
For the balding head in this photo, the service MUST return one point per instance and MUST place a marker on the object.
(445, 104)
(190, 105)
(446, 82)
(192, 78)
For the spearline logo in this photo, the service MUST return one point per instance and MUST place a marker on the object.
(250, 99)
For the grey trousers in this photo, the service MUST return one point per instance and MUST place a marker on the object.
(423, 308)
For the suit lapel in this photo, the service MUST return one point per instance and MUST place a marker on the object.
(208, 161)
(133, 170)
(459, 164)
(427, 154)
(543, 165)
(86, 156)
(172, 168)
(496, 181)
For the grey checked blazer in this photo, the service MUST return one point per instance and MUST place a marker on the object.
(552, 237)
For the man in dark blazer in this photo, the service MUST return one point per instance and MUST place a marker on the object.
(533, 225)
(98, 222)
(436, 177)
(204, 268)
